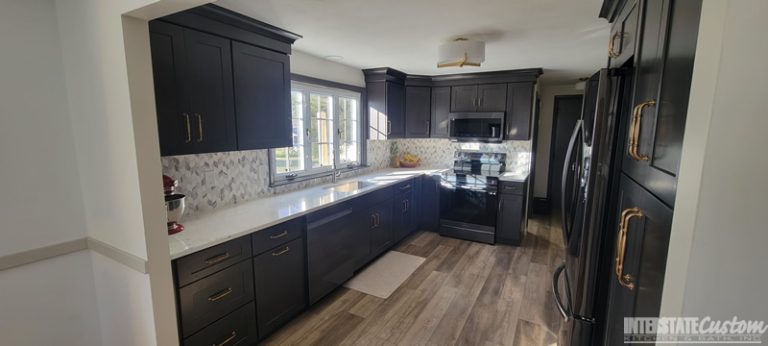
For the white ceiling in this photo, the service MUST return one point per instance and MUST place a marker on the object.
(565, 37)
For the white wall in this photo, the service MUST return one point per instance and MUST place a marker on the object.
(123, 296)
(97, 83)
(312, 66)
(40, 199)
(717, 264)
(50, 302)
(548, 93)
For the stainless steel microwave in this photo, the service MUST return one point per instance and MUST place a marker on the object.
(476, 127)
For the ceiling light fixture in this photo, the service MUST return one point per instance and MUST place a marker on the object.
(461, 52)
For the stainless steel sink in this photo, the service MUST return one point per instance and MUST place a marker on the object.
(350, 186)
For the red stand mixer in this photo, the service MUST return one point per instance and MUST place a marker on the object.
(174, 205)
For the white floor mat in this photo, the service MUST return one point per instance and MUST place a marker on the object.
(384, 276)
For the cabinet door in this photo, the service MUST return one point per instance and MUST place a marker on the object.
(621, 46)
(280, 283)
(492, 97)
(333, 249)
(417, 106)
(663, 81)
(430, 203)
(262, 97)
(441, 109)
(464, 98)
(209, 79)
(380, 228)
(510, 220)
(519, 111)
(395, 110)
(174, 122)
(403, 223)
(636, 290)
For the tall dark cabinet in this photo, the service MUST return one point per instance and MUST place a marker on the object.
(657, 41)
(222, 82)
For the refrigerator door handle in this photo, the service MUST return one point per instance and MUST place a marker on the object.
(556, 290)
(564, 183)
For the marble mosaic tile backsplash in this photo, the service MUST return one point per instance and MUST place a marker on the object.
(217, 180)
(439, 152)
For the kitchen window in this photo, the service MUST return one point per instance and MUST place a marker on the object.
(326, 128)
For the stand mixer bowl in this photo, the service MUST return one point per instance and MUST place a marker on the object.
(174, 207)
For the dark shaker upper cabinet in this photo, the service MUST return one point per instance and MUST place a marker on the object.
(479, 98)
(262, 97)
(519, 110)
(222, 82)
(193, 90)
(417, 111)
(209, 71)
(396, 110)
(386, 103)
(464, 98)
(492, 97)
(441, 110)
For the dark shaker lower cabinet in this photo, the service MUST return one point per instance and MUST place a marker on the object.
(280, 285)
(403, 223)
(430, 203)
(238, 328)
(380, 228)
(209, 299)
(638, 294)
(511, 221)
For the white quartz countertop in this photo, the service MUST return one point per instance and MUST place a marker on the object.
(518, 177)
(209, 229)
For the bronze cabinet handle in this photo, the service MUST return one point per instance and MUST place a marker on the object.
(373, 220)
(279, 235)
(612, 53)
(221, 294)
(189, 128)
(625, 280)
(281, 252)
(217, 258)
(227, 340)
(389, 127)
(634, 130)
(199, 127)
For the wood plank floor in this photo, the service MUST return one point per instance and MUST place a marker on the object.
(465, 293)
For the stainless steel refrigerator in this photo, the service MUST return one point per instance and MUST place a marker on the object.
(586, 184)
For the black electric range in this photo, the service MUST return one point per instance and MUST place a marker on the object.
(468, 196)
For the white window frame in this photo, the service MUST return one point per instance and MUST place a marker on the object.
(279, 178)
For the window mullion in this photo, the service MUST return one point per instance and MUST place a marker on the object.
(307, 133)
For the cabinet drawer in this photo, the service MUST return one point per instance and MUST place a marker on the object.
(201, 264)
(237, 328)
(280, 285)
(403, 187)
(512, 188)
(279, 234)
(211, 298)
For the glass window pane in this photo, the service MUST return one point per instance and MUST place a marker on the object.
(348, 152)
(322, 155)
